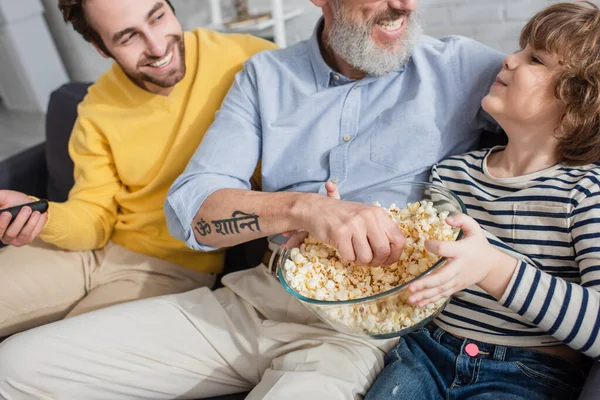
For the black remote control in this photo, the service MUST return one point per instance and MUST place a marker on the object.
(40, 206)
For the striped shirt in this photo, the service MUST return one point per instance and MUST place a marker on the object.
(550, 221)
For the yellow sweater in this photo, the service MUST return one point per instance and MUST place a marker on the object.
(129, 145)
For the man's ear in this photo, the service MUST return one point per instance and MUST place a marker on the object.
(99, 50)
(319, 3)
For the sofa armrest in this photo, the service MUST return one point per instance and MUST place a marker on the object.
(25, 172)
(60, 118)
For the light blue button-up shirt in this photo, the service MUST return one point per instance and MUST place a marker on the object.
(309, 124)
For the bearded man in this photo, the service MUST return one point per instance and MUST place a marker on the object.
(365, 100)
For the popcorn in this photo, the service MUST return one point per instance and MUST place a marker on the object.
(314, 270)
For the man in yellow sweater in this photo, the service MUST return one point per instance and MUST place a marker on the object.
(136, 131)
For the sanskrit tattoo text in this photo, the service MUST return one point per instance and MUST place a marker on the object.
(202, 227)
(238, 222)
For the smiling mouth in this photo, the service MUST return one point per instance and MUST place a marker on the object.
(391, 25)
(163, 61)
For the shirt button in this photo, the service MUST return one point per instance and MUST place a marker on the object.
(355, 87)
(335, 180)
(347, 138)
(336, 77)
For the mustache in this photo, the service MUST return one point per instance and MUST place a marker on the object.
(387, 15)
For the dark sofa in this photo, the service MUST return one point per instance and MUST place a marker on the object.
(46, 171)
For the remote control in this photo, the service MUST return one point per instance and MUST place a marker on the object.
(40, 206)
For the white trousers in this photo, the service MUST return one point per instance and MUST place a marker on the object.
(250, 335)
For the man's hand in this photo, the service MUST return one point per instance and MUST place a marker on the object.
(470, 261)
(332, 192)
(361, 233)
(26, 227)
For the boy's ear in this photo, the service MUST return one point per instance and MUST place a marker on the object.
(100, 51)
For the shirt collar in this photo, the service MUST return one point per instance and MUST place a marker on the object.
(326, 77)
(323, 73)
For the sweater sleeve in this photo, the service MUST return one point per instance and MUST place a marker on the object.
(568, 311)
(87, 219)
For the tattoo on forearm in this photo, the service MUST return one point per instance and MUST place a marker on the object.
(238, 221)
(202, 227)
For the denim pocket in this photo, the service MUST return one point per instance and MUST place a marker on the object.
(546, 376)
(421, 331)
(393, 355)
(421, 336)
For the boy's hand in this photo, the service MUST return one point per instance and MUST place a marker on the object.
(470, 261)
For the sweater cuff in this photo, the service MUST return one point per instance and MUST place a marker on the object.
(55, 226)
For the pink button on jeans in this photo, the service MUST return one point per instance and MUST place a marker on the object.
(472, 349)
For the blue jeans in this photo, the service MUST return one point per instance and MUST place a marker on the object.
(432, 364)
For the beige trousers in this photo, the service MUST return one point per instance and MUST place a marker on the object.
(250, 335)
(40, 283)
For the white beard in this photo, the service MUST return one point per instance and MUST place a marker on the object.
(353, 43)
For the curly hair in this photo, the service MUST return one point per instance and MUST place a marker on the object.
(73, 11)
(572, 31)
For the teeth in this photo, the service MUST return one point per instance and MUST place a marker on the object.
(390, 25)
(163, 62)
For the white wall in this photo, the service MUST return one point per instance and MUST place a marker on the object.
(81, 60)
(494, 22)
(30, 67)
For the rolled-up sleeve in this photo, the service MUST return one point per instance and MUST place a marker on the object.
(225, 159)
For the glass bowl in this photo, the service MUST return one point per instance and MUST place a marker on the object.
(387, 314)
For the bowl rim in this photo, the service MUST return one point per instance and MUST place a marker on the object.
(398, 288)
